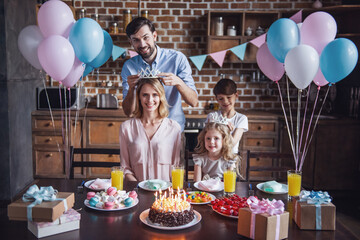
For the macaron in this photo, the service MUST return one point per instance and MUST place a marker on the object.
(111, 191)
(90, 195)
(128, 202)
(109, 205)
(133, 195)
(93, 201)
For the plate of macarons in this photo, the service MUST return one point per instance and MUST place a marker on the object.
(111, 200)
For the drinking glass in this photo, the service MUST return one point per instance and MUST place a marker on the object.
(177, 175)
(229, 179)
(117, 177)
(294, 183)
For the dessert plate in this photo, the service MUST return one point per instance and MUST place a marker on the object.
(88, 183)
(283, 190)
(144, 218)
(86, 202)
(164, 185)
(205, 190)
(225, 215)
(199, 203)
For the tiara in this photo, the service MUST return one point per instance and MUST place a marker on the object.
(217, 118)
(148, 73)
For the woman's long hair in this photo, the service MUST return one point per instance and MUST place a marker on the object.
(163, 108)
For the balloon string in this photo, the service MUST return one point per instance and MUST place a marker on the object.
(304, 118)
(312, 134)
(287, 122)
(298, 126)
(290, 112)
(67, 163)
(62, 115)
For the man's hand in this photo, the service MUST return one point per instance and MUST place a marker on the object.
(132, 81)
(170, 79)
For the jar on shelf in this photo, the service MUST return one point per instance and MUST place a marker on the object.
(219, 29)
(145, 13)
(127, 19)
(231, 30)
(82, 13)
(114, 29)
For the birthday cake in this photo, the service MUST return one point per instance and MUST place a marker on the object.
(172, 211)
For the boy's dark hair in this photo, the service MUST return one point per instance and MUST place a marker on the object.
(225, 86)
(137, 23)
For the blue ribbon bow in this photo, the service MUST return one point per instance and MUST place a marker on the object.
(37, 196)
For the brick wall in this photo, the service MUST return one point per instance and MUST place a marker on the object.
(181, 25)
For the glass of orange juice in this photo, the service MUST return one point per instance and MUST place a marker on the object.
(229, 179)
(177, 175)
(117, 177)
(294, 183)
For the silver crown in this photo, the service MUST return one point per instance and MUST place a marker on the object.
(217, 118)
(148, 73)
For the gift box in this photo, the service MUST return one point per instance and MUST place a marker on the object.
(262, 223)
(69, 221)
(47, 205)
(314, 214)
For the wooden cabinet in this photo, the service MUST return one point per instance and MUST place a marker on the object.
(263, 136)
(241, 20)
(89, 129)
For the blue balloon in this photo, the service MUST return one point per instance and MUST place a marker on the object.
(87, 70)
(105, 52)
(283, 35)
(338, 59)
(87, 39)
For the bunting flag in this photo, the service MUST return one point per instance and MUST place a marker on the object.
(198, 61)
(132, 54)
(219, 57)
(239, 51)
(117, 52)
(297, 17)
(260, 40)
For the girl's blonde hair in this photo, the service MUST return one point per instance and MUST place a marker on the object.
(158, 87)
(227, 144)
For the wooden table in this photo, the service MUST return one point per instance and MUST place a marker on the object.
(126, 224)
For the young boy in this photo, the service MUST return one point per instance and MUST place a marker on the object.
(225, 92)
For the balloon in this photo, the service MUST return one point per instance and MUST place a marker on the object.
(338, 59)
(105, 52)
(75, 73)
(319, 79)
(55, 18)
(301, 65)
(282, 36)
(56, 56)
(271, 67)
(87, 38)
(87, 70)
(28, 42)
(317, 30)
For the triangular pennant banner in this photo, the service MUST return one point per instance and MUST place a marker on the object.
(198, 61)
(239, 51)
(260, 40)
(219, 57)
(117, 52)
(132, 53)
(297, 17)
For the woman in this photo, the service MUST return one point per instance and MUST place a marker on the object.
(150, 142)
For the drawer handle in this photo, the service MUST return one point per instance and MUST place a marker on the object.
(48, 124)
(111, 124)
(48, 140)
(257, 159)
(259, 128)
(258, 143)
(49, 155)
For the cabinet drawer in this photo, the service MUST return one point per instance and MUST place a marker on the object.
(98, 172)
(48, 140)
(47, 124)
(260, 162)
(260, 142)
(49, 163)
(263, 126)
(103, 132)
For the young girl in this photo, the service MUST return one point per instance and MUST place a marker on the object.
(214, 151)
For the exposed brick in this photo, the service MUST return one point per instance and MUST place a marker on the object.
(220, 6)
(177, 5)
(198, 5)
(262, 5)
(282, 5)
(91, 4)
(165, 19)
(156, 5)
(113, 4)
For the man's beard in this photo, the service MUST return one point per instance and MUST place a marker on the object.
(146, 55)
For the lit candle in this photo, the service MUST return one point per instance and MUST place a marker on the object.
(156, 195)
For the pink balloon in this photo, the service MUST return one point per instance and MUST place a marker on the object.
(320, 79)
(56, 56)
(75, 73)
(317, 30)
(55, 18)
(268, 64)
(28, 42)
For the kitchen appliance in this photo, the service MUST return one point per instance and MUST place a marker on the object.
(193, 126)
(74, 100)
(106, 100)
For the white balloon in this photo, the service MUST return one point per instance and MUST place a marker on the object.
(301, 65)
(28, 42)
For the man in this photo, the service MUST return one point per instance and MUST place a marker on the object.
(175, 70)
